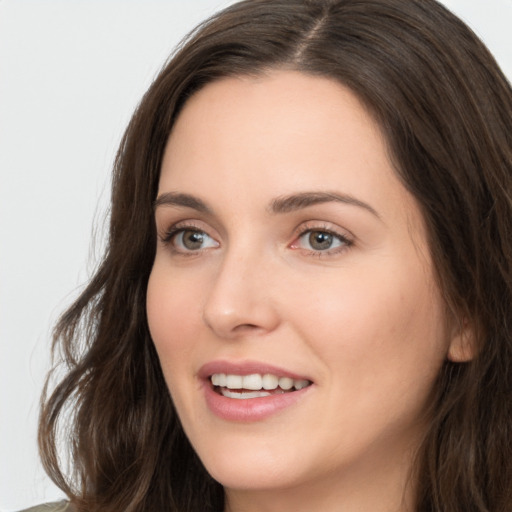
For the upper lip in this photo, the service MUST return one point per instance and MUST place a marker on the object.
(246, 367)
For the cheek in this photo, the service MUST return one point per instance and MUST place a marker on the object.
(172, 310)
(378, 332)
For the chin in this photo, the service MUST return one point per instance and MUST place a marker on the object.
(258, 468)
(247, 476)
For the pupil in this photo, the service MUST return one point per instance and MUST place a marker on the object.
(192, 240)
(320, 240)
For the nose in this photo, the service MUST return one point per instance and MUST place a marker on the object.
(240, 301)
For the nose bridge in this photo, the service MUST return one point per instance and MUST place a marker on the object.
(239, 298)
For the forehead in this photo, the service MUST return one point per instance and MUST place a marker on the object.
(277, 116)
(279, 133)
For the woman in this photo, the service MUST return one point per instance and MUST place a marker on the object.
(306, 296)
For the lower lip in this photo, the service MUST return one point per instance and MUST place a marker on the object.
(250, 409)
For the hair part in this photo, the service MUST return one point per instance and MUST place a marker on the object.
(445, 109)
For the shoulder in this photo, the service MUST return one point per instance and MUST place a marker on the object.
(57, 506)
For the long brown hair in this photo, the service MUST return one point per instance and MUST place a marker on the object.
(446, 110)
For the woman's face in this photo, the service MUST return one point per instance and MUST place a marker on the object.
(289, 254)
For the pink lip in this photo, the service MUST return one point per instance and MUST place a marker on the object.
(253, 409)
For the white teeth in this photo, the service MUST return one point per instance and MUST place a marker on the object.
(244, 395)
(286, 383)
(257, 382)
(299, 384)
(219, 379)
(253, 381)
(270, 381)
(234, 381)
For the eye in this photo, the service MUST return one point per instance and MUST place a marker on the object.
(187, 239)
(321, 241)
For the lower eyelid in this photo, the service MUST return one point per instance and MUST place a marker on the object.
(169, 240)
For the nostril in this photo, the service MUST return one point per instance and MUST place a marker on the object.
(246, 327)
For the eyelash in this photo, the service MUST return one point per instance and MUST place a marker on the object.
(308, 228)
(169, 235)
(171, 232)
(346, 242)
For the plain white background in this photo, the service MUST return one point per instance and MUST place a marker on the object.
(71, 73)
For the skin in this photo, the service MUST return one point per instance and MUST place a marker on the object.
(364, 320)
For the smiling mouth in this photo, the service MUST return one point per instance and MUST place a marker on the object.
(255, 385)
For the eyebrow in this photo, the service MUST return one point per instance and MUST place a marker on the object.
(286, 204)
(180, 199)
(283, 204)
